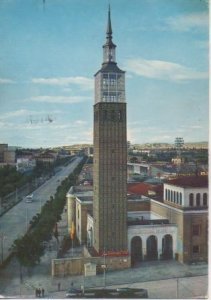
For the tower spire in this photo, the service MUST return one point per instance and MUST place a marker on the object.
(109, 46)
(109, 28)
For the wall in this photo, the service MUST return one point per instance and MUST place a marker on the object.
(185, 239)
(75, 266)
(134, 205)
(175, 216)
(191, 239)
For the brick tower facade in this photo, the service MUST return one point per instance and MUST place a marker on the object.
(110, 154)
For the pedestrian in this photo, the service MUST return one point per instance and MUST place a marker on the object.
(36, 293)
(43, 292)
(59, 286)
(71, 284)
(39, 292)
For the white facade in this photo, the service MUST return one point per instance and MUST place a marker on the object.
(159, 231)
(182, 195)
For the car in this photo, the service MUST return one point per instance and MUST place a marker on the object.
(29, 198)
(73, 293)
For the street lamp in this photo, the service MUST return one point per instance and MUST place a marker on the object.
(104, 268)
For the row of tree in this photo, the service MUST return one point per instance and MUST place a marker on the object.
(30, 247)
(10, 179)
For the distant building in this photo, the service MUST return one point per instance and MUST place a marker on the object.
(25, 164)
(46, 157)
(3, 148)
(7, 156)
(89, 151)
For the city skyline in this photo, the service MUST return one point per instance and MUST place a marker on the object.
(50, 53)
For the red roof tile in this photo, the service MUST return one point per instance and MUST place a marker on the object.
(143, 188)
(190, 181)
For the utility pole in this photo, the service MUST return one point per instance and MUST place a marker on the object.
(177, 289)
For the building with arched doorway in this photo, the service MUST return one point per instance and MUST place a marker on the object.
(156, 230)
(151, 237)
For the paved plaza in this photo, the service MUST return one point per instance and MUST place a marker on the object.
(164, 280)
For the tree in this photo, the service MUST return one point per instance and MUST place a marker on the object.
(28, 250)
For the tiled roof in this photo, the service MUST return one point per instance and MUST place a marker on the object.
(190, 181)
(143, 188)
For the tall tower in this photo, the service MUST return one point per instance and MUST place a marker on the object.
(110, 154)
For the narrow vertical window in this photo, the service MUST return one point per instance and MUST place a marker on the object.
(191, 199)
(198, 199)
(205, 199)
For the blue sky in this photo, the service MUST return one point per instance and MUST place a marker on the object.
(49, 54)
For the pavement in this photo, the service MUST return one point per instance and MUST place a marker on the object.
(162, 279)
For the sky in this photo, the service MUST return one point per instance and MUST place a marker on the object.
(51, 49)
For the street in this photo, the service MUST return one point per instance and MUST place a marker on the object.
(15, 222)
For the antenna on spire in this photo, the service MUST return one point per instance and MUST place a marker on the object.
(43, 5)
(109, 29)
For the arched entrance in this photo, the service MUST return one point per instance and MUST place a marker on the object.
(136, 250)
(167, 247)
(152, 251)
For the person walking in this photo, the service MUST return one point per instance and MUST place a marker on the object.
(43, 292)
(39, 292)
(59, 286)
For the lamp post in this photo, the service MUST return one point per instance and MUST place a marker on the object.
(177, 289)
(40, 205)
(26, 219)
(104, 269)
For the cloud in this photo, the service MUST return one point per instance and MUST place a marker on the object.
(13, 114)
(83, 82)
(6, 81)
(162, 70)
(188, 22)
(46, 134)
(25, 112)
(59, 99)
